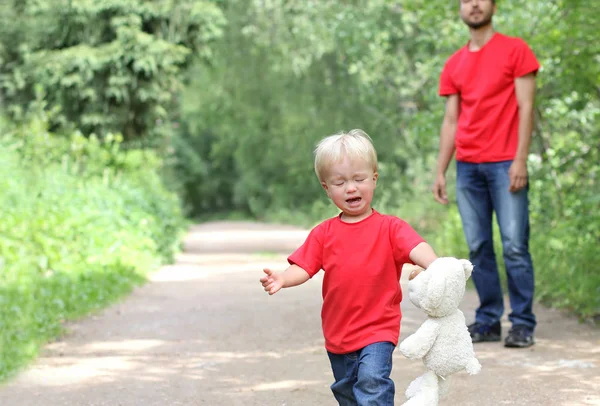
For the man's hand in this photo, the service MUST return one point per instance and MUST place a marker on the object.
(439, 189)
(272, 281)
(517, 175)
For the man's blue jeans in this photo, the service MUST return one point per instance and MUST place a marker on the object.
(362, 377)
(482, 189)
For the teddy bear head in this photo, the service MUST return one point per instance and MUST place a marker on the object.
(440, 288)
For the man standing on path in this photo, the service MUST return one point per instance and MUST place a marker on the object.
(490, 87)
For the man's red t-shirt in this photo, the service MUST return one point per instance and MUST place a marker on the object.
(361, 289)
(488, 123)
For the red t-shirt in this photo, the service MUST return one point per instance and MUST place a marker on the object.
(361, 289)
(488, 123)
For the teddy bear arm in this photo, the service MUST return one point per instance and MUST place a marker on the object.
(419, 343)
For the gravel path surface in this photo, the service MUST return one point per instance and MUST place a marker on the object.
(202, 332)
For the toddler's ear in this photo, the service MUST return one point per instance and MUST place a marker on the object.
(467, 267)
(325, 188)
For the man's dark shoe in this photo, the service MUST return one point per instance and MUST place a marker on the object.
(519, 336)
(485, 332)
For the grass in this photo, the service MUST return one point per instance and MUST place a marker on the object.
(75, 236)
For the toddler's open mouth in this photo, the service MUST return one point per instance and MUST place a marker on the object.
(353, 200)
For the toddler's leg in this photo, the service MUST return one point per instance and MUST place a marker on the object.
(373, 385)
(344, 367)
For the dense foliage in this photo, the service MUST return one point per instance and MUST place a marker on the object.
(86, 214)
(287, 73)
(105, 65)
(82, 223)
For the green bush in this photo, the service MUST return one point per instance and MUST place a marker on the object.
(82, 223)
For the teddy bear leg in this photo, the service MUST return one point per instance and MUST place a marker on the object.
(424, 391)
(413, 388)
(444, 387)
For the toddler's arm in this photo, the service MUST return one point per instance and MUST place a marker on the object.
(293, 276)
(423, 255)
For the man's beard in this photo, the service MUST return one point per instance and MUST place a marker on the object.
(477, 25)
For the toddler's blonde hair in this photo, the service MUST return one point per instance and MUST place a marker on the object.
(354, 144)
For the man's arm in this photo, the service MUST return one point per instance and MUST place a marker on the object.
(525, 92)
(447, 135)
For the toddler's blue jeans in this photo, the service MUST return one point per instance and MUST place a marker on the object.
(362, 377)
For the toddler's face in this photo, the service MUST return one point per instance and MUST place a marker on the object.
(350, 184)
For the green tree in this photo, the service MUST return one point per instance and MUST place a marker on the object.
(287, 73)
(107, 65)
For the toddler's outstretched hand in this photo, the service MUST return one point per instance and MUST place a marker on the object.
(272, 281)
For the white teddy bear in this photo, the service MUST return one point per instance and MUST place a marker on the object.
(442, 341)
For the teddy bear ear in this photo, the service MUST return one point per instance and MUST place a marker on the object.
(467, 267)
(435, 291)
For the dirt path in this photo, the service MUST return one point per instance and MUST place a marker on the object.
(204, 333)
